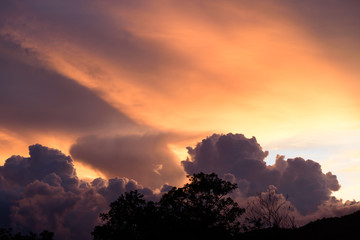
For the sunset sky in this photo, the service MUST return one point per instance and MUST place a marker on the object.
(125, 86)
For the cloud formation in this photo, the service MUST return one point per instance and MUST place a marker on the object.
(333, 25)
(36, 98)
(302, 180)
(90, 68)
(43, 192)
(146, 158)
(154, 64)
(47, 165)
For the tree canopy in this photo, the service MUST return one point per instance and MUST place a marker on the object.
(200, 209)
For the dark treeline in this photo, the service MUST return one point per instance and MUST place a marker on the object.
(346, 227)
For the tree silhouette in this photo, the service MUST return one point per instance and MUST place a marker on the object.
(269, 210)
(129, 217)
(202, 207)
(199, 210)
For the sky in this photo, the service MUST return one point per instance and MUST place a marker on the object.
(128, 89)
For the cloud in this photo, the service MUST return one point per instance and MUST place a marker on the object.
(43, 192)
(36, 98)
(8, 196)
(150, 60)
(83, 68)
(91, 33)
(44, 164)
(306, 185)
(235, 154)
(333, 25)
(146, 158)
(302, 180)
(333, 207)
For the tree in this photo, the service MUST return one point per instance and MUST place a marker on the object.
(201, 209)
(269, 210)
(129, 217)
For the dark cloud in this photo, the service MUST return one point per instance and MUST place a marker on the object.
(43, 206)
(339, 19)
(32, 97)
(8, 196)
(146, 158)
(90, 26)
(43, 192)
(306, 184)
(235, 154)
(44, 164)
(335, 27)
(242, 160)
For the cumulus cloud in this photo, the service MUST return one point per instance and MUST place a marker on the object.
(306, 184)
(43, 192)
(235, 155)
(47, 165)
(146, 158)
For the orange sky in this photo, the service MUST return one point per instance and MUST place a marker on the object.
(195, 68)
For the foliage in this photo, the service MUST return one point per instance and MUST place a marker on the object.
(129, 217)
(202, 206)
(200, 209)
(270, 210)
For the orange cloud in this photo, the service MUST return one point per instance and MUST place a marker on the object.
(194, 67)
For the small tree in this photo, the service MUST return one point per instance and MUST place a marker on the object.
(269, 210)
